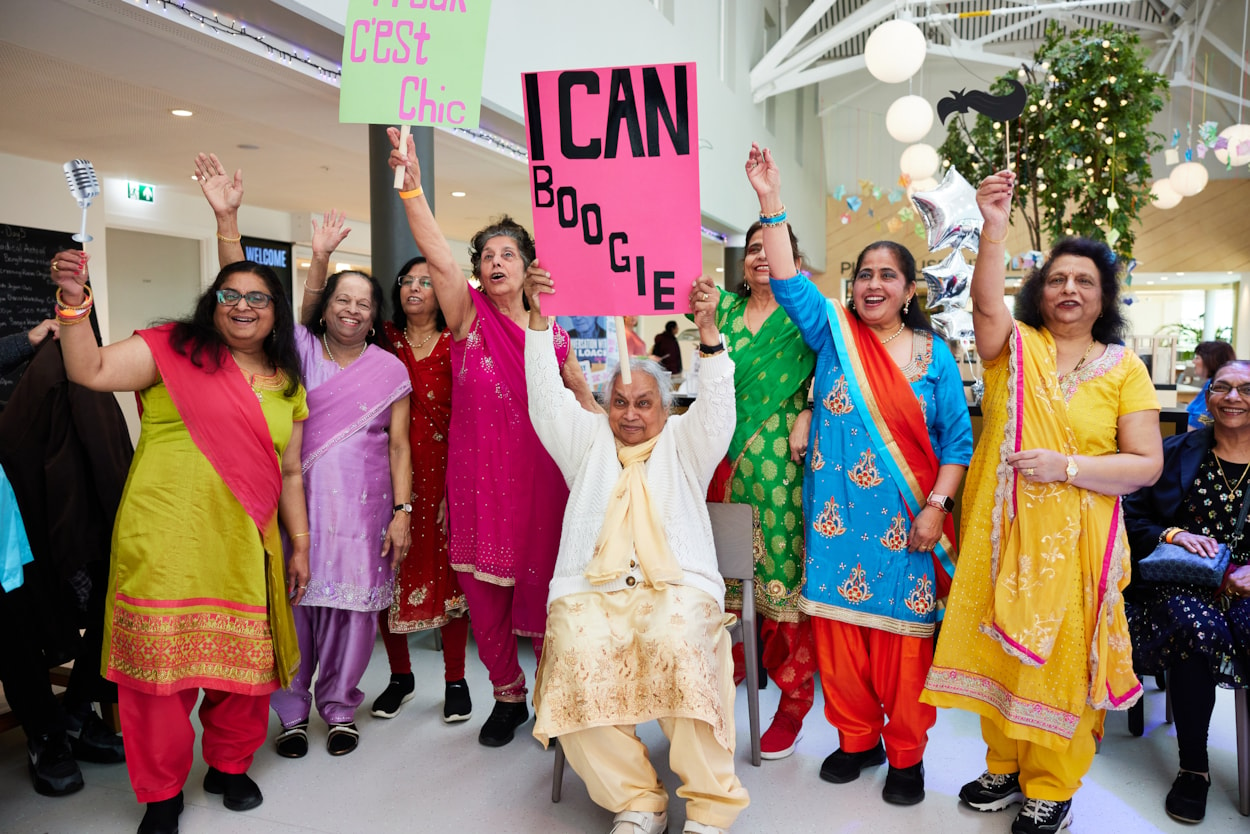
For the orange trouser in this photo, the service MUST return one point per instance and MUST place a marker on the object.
(868, 676)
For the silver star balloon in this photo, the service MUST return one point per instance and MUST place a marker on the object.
(954, 325)
(949, 282)
(950, 213)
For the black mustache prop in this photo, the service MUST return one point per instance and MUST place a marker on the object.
(999, 108)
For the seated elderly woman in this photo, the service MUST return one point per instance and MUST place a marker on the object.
(1199, 636)
(636, 613)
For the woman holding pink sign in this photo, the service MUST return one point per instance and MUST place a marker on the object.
(505, 496)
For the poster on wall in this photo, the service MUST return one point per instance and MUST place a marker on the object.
(593, 340)
(274, 254)
(418, 63)
(614, 184)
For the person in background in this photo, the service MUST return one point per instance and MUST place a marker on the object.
(1199, 636)
(637, 347)
(1209, 357)
(1035, 639)
(666, 350)
(890, 441)
(17, 348)
(356, 444)
(197, 596)
(505, 495)
(636, 620)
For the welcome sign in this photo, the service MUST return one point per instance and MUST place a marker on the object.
(614, 180)
(414, 61)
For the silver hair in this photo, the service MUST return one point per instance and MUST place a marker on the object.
(638, 365)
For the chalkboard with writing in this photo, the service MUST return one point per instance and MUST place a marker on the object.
(26, 290)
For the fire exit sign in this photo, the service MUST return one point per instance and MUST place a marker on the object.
(140, 191)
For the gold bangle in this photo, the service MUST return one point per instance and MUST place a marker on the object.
(86, 304)
(989, 239)
(410, 195)
(224, 239)
(314, 289)
(70, 322)
(298, 535)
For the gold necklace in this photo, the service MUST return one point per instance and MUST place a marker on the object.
(1232, 490)
(1084, 356)
(895, 334)
(325, 341)
(416, 348)
(251, 377)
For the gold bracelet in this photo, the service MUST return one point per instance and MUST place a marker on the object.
(229, 239)
(410, 195)
(86, 304)
(989, 239)
(314, 289)
(70, 322)
(298, 535)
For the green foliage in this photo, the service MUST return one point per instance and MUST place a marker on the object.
(1084, 137)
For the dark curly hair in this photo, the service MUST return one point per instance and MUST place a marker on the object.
(915, 317)
(398, 318)
(197, 338)
(1215, 355)
(315, 320)
(745, 289)
(1111, 326)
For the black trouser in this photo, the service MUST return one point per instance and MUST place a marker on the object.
(1193, 698)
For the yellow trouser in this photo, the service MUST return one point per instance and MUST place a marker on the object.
(618, 774)
(1044, 773)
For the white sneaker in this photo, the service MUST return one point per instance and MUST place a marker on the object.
(640, 822)
(693, 827)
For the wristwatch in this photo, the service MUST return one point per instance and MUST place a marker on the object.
(405, 507)
(943, 502)
(1072, 471)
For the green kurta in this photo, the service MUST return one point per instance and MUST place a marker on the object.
(187, 602)
(773, 371)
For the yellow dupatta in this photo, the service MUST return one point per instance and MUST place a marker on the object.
(1042, 533)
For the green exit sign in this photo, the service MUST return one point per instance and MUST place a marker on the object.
(140, 191)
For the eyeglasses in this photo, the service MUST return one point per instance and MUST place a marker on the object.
(420, 280)
(1222, 389)
(255, 299)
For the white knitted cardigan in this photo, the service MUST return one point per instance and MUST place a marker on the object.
(678, 471)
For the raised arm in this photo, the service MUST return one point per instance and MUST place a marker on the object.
(765, 178)
(125, 366)
(991, 320)
(325, 239)
(225, 194)
(706, 428)
(449, 284)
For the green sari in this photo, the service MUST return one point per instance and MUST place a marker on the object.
(772, 373)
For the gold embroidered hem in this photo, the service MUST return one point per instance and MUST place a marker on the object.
(861, 618)
(1030, 720)
(773, 603)
(491, 579)
(631, 656)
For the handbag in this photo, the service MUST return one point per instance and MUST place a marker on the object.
(1173, 564)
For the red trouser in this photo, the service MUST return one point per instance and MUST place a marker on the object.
(868, 676)
(160, 740)
(789, 656)
(455, 637)
(496, 642)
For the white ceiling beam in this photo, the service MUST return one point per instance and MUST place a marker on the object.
(791, 38)
(1198, 87)
(961, 52)
(1225, 50)
(863, 18)
(801, 78)
(999, 34)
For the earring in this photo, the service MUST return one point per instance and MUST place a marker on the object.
(906, 306)
(323, 322)
(372, 331)
(748, 286)
(850, 305)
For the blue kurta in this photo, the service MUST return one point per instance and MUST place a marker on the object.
(858, 567)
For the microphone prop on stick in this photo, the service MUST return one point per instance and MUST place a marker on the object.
(83, 185)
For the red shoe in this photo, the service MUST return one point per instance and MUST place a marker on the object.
(780, 738)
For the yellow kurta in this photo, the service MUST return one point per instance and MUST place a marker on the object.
(187, 601)
(971, 670)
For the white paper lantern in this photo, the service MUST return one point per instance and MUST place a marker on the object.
(1163, 195)
(1188, 178)
(919, 161)
(909, 119)
(1235, 134)
(894, 51)
(926, 184)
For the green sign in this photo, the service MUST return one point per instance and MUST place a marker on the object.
(140, 191)
(414, 61)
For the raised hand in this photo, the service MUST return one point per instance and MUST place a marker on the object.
(763, 172)
(69, 273)
(406, 158)
(327, 237)
(536, 284)
(704, 297)
(224, 193)
(994, 200)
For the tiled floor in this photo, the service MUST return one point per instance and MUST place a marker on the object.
(416, 774)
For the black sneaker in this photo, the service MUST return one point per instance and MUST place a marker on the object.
(1187, 801)
(397, 693)
(992, 791)
(162, 817)
(904, 785)
(52, 767)
(457, 705)
(239, 792)
(91, 739)
(1043, 816)
(504, 719)
(840, 767)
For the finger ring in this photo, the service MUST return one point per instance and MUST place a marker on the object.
(56, 266)
(703, 296)
(1029, 472)
(302, 587)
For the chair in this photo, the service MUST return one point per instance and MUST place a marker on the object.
(733, 531)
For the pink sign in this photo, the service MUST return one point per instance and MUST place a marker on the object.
(614, 177)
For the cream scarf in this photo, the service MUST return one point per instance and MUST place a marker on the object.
(631, 526)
